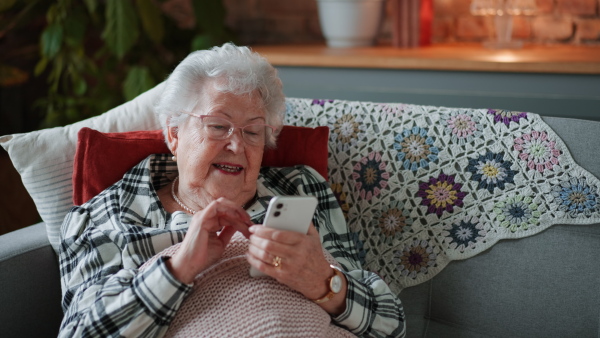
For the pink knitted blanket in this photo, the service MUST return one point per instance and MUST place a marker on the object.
(227, 302)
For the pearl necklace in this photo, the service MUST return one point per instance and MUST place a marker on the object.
(185, 207)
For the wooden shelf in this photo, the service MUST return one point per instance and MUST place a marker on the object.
(452, 57)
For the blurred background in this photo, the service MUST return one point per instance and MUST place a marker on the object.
(63, 61)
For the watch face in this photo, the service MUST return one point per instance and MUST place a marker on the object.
(336, 284)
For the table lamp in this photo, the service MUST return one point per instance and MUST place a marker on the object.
(503, 12)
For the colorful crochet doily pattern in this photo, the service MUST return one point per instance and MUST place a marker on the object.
(421, 186)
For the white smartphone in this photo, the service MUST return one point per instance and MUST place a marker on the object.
(292, 213)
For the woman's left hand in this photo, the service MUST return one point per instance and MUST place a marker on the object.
(303, 266)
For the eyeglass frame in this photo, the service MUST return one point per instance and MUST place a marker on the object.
(234, 127)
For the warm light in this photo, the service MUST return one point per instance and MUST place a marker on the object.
(505, 56)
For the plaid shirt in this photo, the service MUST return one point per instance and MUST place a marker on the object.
(106, 240)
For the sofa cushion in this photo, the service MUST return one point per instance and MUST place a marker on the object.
(540, 286)
(102, 159)
(30, 284)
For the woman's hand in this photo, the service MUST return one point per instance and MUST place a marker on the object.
(303, 266)
(209, 233)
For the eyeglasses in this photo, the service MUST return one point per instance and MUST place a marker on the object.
(218, 128)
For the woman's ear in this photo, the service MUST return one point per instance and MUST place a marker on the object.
(172, 138)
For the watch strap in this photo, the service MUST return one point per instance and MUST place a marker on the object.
(330, 293)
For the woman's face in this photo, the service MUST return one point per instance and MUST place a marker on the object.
(208, 168)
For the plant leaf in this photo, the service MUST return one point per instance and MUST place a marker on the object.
(55, 73)
(152, 20)
(40, 66)
(121, 30)
(12, 76)
(75, 74)
(138, 81)
(6, 4)
(202, 41)
(210, 16)
(75, 25)
(80, 87)
(51, 40)
(91, 5)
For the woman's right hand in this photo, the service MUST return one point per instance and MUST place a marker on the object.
(209, 233)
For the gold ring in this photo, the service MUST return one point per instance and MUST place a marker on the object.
(277, 262)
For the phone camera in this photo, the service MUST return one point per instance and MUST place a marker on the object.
(276, 214)
(279, 205)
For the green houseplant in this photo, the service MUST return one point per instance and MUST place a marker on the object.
(96, 54)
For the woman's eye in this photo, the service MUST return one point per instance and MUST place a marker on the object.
(253, 130)
(251, 133)
(218, 127)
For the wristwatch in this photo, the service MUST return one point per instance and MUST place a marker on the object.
(335, 286)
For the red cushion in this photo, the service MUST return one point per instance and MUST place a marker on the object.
(101, 159)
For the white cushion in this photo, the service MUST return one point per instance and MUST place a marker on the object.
(44, 158)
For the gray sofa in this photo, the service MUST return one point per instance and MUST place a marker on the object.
(547, 285)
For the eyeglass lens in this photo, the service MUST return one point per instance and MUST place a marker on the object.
(219, 129)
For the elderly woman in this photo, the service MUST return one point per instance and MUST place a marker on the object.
(220, 109)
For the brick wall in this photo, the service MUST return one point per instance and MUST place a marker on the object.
(274, 21)
(296, 21)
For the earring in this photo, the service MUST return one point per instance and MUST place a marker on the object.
(174, 158)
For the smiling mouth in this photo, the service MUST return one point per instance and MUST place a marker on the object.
(229, 168)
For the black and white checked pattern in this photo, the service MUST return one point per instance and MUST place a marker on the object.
(106, 240)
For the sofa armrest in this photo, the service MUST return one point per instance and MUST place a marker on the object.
(29, 284)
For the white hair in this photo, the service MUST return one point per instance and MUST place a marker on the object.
(242, 72)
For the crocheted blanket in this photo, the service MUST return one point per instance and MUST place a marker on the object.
(421, 186)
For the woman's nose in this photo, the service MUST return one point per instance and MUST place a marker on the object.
(236, 141)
